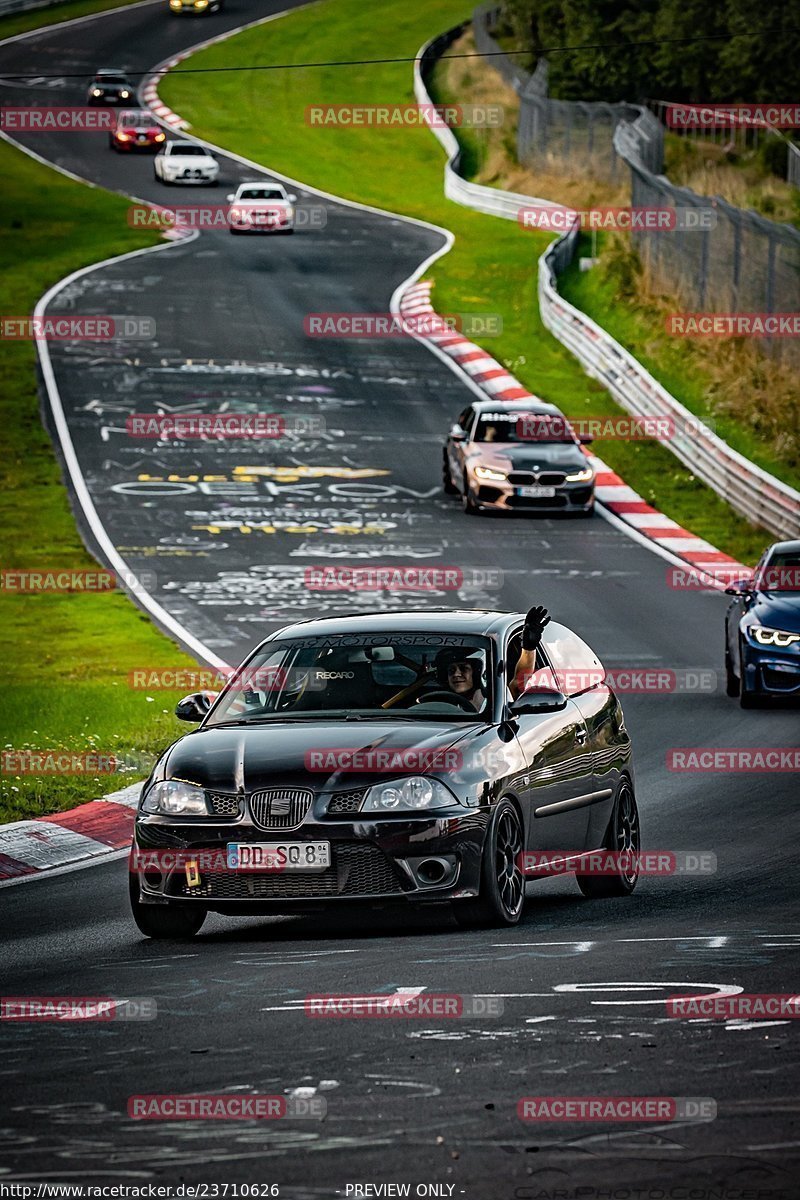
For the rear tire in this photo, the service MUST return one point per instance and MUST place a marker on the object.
(502, 889)
(623, 835)
(163, 922)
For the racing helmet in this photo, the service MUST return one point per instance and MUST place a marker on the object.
(453, 654)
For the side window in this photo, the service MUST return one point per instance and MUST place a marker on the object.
(465, 420)
(577, 668)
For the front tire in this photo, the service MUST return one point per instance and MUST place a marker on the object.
(448, 486)
(162, 922)
(502, 888)
(731, 680)
(746, 699)
(467, 500)
(622, 836)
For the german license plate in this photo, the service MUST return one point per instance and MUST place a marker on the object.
(536, 492)
(279, 856)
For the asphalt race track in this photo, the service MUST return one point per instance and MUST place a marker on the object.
(228, 541)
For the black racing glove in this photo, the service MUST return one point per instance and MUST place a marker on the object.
(535, 622)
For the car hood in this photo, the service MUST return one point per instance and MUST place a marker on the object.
(778, 610)
(260, 203)
(545, 455)
(280, 753)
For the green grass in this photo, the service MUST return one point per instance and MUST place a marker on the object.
(492, 267)
(670, 360)
(66, 655)
(22, 22)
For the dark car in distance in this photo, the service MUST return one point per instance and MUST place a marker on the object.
(111, 87)
(337, 766)
(518, 456)
(762, 629)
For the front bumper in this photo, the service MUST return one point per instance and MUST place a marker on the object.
(190, 176)
(134, 145)
(508, 496)
(768, 671)
(372, 860)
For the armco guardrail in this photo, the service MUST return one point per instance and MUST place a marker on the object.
(751, 491)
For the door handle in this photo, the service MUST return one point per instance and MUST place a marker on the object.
(581, 736)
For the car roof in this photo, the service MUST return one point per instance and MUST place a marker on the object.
(135, 114)
(260, 183)
(110, 71)
(791, 547)
(534, 405)
(478, 621)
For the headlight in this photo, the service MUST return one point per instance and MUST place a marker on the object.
(160, 137)
(773, 637)
(174, 798)
(581, 476)
(124, 95)
(408, 795)
(490, 473)
(96, 92)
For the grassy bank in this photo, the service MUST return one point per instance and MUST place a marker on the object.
(66, 655)
(39, 17)
(492, 265)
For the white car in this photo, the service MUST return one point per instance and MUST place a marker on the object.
(261, 208)
(185, 162)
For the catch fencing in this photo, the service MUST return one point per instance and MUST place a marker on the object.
(751, 491)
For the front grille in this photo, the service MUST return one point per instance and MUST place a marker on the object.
(223, 804)
(280, 808)
(358, 869)
(345, 802)
(528, 478)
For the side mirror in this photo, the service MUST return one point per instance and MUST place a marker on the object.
(458, 434)
(540, 700)
(585, 439)
(231, 197)
(739, 587)
(291, 199)
(195, 707)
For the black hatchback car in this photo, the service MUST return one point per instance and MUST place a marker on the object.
(343, 764)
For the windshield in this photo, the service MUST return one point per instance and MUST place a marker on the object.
(261, 194)
(781, 572)
(523, 427)
(186, 148)
(358, 676)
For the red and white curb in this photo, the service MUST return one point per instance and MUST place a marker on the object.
(148, 93)
(99, 829)
(611, 491)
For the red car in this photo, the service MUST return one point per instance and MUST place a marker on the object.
(136, 130)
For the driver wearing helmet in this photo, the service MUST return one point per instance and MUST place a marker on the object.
(460, 671)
